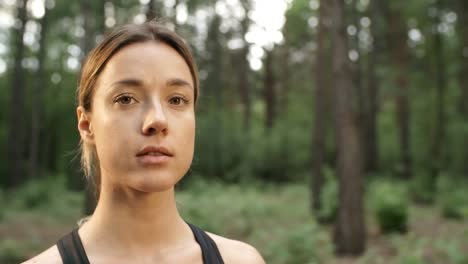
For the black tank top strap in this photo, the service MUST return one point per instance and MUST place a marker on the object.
(208, 247)
(71, 249)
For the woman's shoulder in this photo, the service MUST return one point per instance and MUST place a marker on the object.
(49, 256)
(234, 251)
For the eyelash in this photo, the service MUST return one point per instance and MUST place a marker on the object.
(119, 98)
(180, 98)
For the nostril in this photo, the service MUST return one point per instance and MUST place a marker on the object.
(151, 130)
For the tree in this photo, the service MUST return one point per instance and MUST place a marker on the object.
(37, 99)
(16, 145)
(400, 58)
(243, 69)
(349, 232)
(321, 107)
(463, 53)
(372, 93)
(439, 127)
(269, 90)
(154, 9)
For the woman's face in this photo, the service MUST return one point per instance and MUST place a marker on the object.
(142, 120)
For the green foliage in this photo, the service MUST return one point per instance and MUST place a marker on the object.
(329, 198)
(453, 249)
(226, 151)
(390, 205)
(421, 189)
(452, 197)
(10, 251)
(299, 244)
(42, 195)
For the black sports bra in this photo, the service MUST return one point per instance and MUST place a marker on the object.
(72, 251)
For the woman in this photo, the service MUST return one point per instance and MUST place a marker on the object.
(136, 118)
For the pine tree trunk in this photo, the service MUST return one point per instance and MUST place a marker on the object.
(16, 148)
(463, 32)
(439, 133)
(269, 90)
(400, 55)
(37, 101)
(318, 135)
(349, 233)
(370, 128)
(244, 82)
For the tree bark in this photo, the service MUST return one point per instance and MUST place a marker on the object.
(154, 10)
(370, 128)
(400, 55)
(37, 100)
(16, 146)
(243, 72)
(349, 232)
(321, 86)
(439, 133)
(463, 33)
(269, 90)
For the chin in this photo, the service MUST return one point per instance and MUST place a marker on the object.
(160, 183)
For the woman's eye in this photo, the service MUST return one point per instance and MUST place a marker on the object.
(124, 100)
(177, 100)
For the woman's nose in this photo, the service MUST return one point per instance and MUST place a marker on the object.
(155, 121)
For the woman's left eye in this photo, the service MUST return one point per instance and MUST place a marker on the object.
(177, 100)
(125, 100)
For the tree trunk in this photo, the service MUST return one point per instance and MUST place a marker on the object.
(463, 31)
(269, 90)
(349, 232)
(154, 10)
(284, 82)
(244, 82)
(439, 133)
(37, 101)
(400, 55)
(370, 120)
(15, 174)
(214, 85)
(318, 135)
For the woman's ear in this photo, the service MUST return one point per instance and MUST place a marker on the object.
(84, 125)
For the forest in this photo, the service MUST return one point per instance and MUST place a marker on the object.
(328, 131)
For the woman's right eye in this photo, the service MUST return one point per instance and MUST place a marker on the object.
(125, 100)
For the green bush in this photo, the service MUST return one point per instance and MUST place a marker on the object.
(33, 194)
(390, 206)
(452, 197)
(422, 190)
(11, 252)
(298, 245)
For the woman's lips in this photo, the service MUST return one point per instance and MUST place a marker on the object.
(150, 159)
(154, 155)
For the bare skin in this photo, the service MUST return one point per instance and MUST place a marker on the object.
(136, 219)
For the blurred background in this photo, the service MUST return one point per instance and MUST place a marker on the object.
(327, 131)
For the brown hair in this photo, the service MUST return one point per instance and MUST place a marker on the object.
(97, 59)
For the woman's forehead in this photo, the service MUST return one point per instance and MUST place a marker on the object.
(146, 61)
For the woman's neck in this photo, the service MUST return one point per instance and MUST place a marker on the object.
(136, 221)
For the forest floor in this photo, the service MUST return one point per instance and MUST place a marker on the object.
(274, 219)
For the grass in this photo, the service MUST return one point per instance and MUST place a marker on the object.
(275, 219)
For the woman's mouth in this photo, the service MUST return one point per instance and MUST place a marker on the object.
(154, 155)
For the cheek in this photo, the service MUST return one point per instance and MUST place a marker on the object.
(113, 136)
(186, 136)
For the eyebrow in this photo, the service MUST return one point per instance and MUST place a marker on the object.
(128, 82)
(177, 82)
(138, 83)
